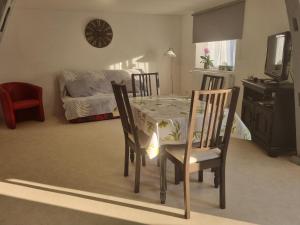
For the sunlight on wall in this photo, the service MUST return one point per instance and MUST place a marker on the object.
(134, 63)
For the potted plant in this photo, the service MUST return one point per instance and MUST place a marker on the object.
(206, 59)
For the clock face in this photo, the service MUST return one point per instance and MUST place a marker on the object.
(98, 33)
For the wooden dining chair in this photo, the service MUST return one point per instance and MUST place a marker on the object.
(211, 149)
(135, 140)
(212, 82)
(209, 82)
(145, 84)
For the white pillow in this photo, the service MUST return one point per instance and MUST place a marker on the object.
(117, 75)
(80, 87)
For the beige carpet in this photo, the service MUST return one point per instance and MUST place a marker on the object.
(55, 173)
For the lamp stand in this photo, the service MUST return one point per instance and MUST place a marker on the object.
(172, 78)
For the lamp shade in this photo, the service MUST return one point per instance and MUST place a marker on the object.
(171, 53)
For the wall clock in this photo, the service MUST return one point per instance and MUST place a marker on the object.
(98, 33)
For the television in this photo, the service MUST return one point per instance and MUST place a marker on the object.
(278, 56)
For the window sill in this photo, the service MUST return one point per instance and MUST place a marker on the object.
(211, 71)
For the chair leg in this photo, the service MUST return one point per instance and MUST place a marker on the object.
(187, 195)
(222, 188)
(131, 155)
(200, 176)
(143, 159)
(137, 173)
(163, 178)
(41, 113)
(126, 158)
(178, 174)
(217, 177)
(165, 172)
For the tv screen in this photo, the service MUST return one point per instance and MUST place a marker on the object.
(278, 56)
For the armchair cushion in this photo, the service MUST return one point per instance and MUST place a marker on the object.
(26, 104)
(196, 156)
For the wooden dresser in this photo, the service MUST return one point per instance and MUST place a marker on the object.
(268, 111)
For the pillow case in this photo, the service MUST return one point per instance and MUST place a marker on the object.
(83, 87)
(129, 88)
(103, 86)
(123, 76)
(117, 75)
(88, 83)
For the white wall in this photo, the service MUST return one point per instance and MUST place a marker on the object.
(38, 44)
(262, 18)
(188, 80)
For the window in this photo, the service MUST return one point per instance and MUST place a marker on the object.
(222, 54)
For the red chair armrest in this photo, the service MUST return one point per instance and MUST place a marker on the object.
(5, 99)
(7, 104)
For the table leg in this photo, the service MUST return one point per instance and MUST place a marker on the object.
(163, 179)
(178, 175)
(158, 160)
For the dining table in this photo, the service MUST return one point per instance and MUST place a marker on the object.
(165, 120)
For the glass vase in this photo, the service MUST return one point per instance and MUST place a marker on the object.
(206, 66)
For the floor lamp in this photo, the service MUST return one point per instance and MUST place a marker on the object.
(171, 54)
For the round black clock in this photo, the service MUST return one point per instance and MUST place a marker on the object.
(98, 33)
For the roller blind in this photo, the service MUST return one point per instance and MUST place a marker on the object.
(224, 22)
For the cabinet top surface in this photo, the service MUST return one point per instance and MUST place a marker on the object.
(263, 85)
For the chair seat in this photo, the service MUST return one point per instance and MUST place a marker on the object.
(26, 104)
(196, 156)
(143, 139)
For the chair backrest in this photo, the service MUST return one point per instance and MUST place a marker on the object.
(212, 82)
(213, 103)
(19, 90)
(142, 84)
(125, 111)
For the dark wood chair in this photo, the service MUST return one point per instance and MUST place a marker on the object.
(145, 84)
(135, 140)
(211, 151)
(212, 82)
(209, 82)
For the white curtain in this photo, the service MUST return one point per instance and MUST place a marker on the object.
(222, 52)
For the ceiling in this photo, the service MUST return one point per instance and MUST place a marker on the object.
(162, 7)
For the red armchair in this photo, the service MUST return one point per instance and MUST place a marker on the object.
(21, 101)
